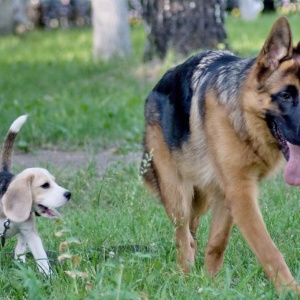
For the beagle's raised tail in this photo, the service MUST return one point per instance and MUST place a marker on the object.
(7, 151)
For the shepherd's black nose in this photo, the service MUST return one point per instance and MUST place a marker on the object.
(67, 194)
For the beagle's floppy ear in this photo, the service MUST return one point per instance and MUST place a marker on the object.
(277, 46)
(17, 201)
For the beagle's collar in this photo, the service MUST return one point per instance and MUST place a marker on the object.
(2, 235)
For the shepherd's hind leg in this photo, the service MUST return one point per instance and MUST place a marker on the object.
(177, 200)
(199, 208)
(176, 195)
(220, 229)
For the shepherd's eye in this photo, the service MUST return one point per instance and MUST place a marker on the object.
(285, 95)
(45, 185)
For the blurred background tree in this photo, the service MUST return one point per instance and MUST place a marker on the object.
(111, 29)
(184, 26)
(269, 6)
(12, 13)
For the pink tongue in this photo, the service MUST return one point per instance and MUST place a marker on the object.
(51, 213)
(292, 169)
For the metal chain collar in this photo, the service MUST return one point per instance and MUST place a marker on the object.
(2, 235)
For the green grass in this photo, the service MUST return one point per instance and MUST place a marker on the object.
(71, 101)
(246, 38)
(118, 235)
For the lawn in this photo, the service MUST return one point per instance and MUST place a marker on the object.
(71, 101)
(119, 240)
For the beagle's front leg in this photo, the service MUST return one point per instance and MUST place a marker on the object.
(36, 247)
(20, 250)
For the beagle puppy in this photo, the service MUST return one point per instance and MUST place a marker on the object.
(23, 196)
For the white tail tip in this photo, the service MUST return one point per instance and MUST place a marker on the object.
(18, 123)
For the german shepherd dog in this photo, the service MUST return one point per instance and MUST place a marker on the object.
(215, 126)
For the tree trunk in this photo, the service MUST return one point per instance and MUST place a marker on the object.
(111, 32)
(185, 26)
(12, 16)
(6, 17)
(269, 6)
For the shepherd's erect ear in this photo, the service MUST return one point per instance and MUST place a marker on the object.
(17, 201)
(277, 46)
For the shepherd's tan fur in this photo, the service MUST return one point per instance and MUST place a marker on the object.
(224, 157)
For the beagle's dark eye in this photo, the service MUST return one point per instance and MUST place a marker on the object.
(46, 185)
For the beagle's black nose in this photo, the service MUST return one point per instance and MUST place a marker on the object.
(67, 194)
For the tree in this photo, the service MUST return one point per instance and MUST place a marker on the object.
(269, 6)
(110, 29)
(6, 16)
(12, 14)
(184, 25)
